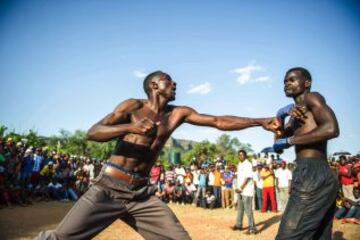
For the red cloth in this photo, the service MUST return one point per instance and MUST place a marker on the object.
(344, 179)
(268, 193)
(154, 174)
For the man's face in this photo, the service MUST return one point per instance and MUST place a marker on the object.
(356, 193)
(166, 87)
(242, 156)
(295, 84)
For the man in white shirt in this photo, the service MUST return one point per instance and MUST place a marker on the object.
(245, 192)
(283, 184)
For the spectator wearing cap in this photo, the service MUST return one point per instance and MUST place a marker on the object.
(48, 171)
(283, 184)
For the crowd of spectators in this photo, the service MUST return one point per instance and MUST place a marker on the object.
(29, 173)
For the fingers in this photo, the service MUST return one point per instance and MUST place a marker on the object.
(298, 112)
(147, 126)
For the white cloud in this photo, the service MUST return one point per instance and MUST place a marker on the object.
(139, 74)
(202, 89)
(249, 74)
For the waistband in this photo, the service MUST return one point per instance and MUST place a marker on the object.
(311, 160)
(126, 170)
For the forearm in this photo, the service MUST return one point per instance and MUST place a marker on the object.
(319, 134)
(237, 123)
(244, 183)
(101, 133)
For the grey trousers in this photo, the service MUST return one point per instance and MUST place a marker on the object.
(244, 204)
(109, 199)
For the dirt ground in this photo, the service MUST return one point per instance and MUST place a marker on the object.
(26, 222)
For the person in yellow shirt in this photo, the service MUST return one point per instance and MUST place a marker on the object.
(268, 190)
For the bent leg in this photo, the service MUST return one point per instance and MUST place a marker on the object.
(153, 219)
(93, 212)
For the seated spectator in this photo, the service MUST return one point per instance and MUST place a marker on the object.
(179, 192)
(351, 208)
(190, 189)
(169, 192)
(56, 190)
(210, 199)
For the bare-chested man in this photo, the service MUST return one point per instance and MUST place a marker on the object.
(121, 191)
(311, 206)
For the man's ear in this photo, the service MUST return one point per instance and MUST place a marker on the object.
(154, 85)
(307, 83)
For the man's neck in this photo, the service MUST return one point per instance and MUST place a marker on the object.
(157, 103)
(300, 99)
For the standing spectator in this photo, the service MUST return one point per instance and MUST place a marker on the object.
(283, 184)
(245, 191)
(258, 186)
(195, 173)
(89, 169)
(217, 185)
(180, 173)
(37, 166)
(155, 174)
(345, 174)
(162, 178)
(268, 191)
(170, 174)
(220, 162)
(27, 167)
(201, 190)
(227, 193)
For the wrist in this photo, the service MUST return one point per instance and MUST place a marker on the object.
(290, 140)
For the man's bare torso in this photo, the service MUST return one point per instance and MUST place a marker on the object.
(139, 152)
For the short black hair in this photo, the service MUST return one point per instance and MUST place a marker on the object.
(148, 79)
(242, 151)
(303, 71)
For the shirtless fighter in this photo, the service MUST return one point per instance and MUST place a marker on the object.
(310, 209)
(121, 191)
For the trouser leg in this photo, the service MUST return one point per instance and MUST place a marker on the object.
(249, 211)
(93, 212)
(153, 219)
(240, 211)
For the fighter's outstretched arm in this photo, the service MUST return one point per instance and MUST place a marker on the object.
(228, 123)
(327, 125)
(117, 123)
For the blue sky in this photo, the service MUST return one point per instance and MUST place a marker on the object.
(65, 64)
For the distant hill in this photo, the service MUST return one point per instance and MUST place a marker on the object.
(179, 144)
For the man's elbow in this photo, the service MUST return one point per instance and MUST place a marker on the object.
(333, 132)
(90, 135)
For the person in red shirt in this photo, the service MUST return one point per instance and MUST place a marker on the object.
(345, 177)
(155, 174)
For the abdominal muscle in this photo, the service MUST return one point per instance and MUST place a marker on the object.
(135, 153)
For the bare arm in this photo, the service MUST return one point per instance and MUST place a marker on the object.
(115, 124)
(226, 122)
(327, 125)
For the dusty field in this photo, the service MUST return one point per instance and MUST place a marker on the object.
(26, 222)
